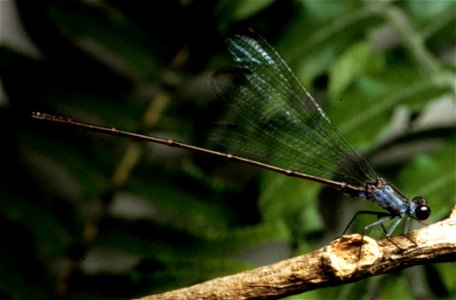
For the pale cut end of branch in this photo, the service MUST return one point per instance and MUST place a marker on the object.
(350, 253)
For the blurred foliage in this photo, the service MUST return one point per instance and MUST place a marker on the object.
(98, 217)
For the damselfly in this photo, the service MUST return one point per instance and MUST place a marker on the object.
(280, 127)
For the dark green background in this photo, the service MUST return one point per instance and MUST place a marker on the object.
(181, 218)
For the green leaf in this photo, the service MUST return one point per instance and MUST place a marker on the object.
(314, 64)
(246, 9)
(291, 200)
(169, 197)
(348, 67)
(429, 10)
(62, 166)
(110, 38)
(446, 272)
(51, 233)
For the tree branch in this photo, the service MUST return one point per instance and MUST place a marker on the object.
(335, 264)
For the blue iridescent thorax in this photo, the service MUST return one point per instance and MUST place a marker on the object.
(389, 198)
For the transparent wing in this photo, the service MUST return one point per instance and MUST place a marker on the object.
(276, 121)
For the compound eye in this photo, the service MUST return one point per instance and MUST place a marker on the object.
(422, 211)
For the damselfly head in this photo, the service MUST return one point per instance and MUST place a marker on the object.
(422, 211)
